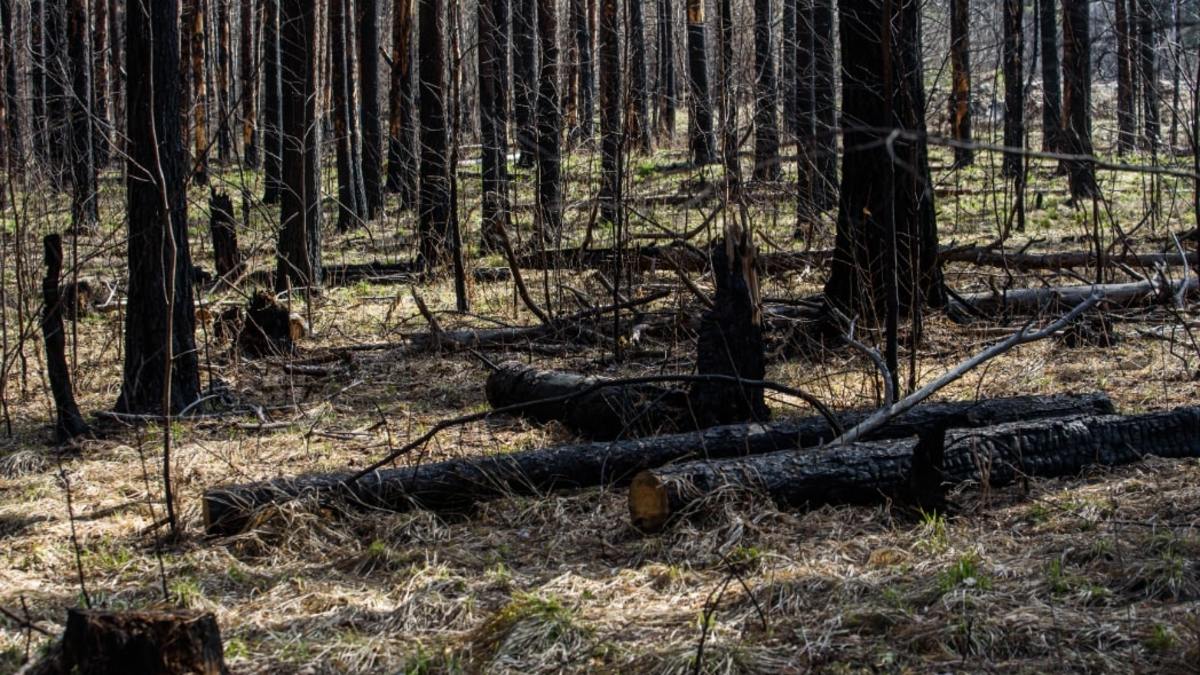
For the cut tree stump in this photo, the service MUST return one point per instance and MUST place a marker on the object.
(868, 472)
(69, 423)
(461, 483)
(100, 642)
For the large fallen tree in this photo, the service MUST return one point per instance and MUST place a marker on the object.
(460, 483)
(1030, 301)
(866, 472)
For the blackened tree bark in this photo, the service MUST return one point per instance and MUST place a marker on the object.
(637, 117)
(700, 123)
(493, 117)
(7, 157)
(729, 123)
(1126, 111)
(787, 63)
(37, 78)
(84, 214)
(525, 77)
(157, 323)
(249, 65)
(68, 423)
(960, 80)
(825, 104)
(224, 92)
(808, 181)
(193, 25)
(402, 155)
(1077, 95)
(549, 123)
(54, 55)
(886, 234)
(298, 259)
(610, 109)
(766, 124)
(372, 129)
(13, 124)
(102, 127)
(667, 88)
(434, 205)
(272, 105)
(585, 94)
(1014, 85)
(116, 60)
(1051, 87)
(352, 207)
(1147, 42)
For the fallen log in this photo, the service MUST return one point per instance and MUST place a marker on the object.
(1029, 301)
(1059, 261)
(102, 642)
(867, 472)
(460, 483)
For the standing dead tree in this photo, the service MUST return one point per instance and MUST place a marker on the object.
(701, 143)
(69, 424)
(960, 76)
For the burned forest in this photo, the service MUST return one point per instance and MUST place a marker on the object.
(618, 336)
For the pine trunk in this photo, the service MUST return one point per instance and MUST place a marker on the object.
(272, 105)
(960, 77)
(667, 90)
(102, 126)
(701, 143)
(369, 116)
(248, 76)
(766, 118)
(1051, 85)
(1126, 114)
(493, 118)
(610, 109)
(84, 213)
(825, 103)
(637, 115)
(584, 105)
(402, 153)
(1148, 20)
(1077, 94)
(434, 208)
(1014, 86)
(729, 116)
(525, 78)
(549, 125)
(351, 195)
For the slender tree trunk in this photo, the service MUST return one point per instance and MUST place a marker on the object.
(584, 106)
(700, 124)
(729, 117)
(351, 197)
(435, 185)
(886, 234)
(37, 84)
(197, 55)
(299, 250)
(224, 90)
(960, 76)
(248, 75)
(1148, 19)
(157, 323)
(667, 89)
(1051, 87)
(116, 67)
(272, 105)
(14, 126)
(372, 129)
(787, 67)
(1077, 95)
(493, 113)
(637, 118)
(1126, 115)
(1014, 85)
(402, 155)
(549, 124)
(100, 86)
(825, 103)
(1177, 55)
(525, 76)
(610, 108)
(57, 77)
(808, 181)
(84, 214)
(766, 124)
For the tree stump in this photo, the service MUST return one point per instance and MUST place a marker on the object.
(264, 328)
(98, 642)
(223, 229)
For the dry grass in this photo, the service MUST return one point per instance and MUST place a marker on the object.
(1097, 573)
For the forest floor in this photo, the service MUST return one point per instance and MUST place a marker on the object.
(1100, 572)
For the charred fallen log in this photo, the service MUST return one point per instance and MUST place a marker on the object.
(867, 472)
(459, 484)
(1029, 301)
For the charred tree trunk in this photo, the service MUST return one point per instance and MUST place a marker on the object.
(272, 105)
(224, 90)
(372, 129)
(116, 66)
(1126, 113)
(960, 77)
(637, 115)
(610, 109)
(352, 208)
(766, 118)
(196, 105)
(54, 57)
(1014, 86)
(434, 207)
(298, 261)
(525, 78)
(700, 128)
(493, 119)
(549, 124)
(13, 124)
(584, 106)
(461, 483)
(886, 234)
(787, 66)
(1051, 88)
(69, 424)
(402, 154)
(808, 204)
(248, 68)
(870, 472)
(1148, 20)
(102, 126)
(667, 88)
(84, 213)
(223, 228)
(825, 103)
(729, 117)
(731, 338)
(158, 324)
(1077, 97)
(102, 642)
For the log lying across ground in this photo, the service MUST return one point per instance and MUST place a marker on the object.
(460, 483)
(868, 471)
(1028, 301)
